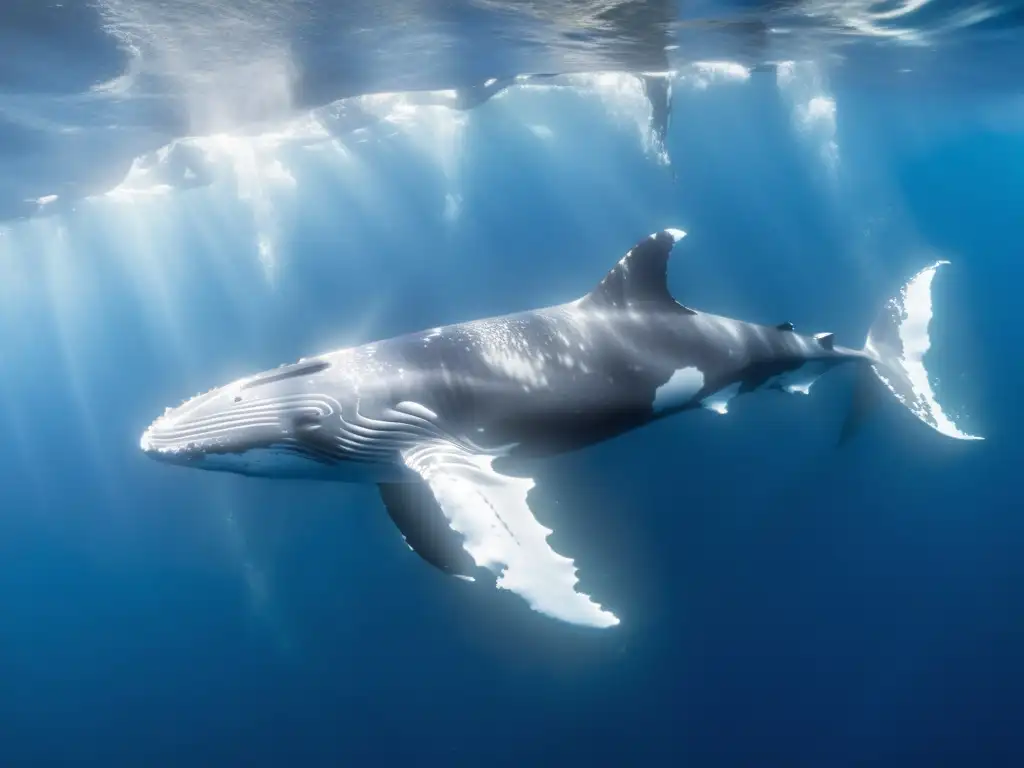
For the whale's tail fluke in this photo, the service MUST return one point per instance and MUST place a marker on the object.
(896, 346)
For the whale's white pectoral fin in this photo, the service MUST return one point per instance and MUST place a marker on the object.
(498, 530)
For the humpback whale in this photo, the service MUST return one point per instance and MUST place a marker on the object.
(430, 416)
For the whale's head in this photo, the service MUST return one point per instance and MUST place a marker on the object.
(268, 425)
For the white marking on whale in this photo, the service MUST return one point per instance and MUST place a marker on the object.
(719, 401)
(681, 387)
(799, 381)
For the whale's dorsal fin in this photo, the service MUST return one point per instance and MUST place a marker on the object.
(640, 279)
(826, 340)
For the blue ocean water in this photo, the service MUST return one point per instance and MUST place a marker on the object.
(194, 193)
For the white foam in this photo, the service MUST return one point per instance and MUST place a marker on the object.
(707, 73)
(623, 97)
(252, 161)
(140, 181)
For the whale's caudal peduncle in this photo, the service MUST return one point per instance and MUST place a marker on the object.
(429, 416)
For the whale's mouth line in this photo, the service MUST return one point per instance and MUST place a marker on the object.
(238, 428)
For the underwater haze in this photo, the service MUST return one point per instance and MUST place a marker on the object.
(197, 191)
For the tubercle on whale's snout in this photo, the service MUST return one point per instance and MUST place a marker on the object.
(149, 441)
(190, 452)
(153, 440)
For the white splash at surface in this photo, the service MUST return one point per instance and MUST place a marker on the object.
(142, 179)
(703, 74)
(429, 121)
(625, 101)
(814, 108)
(257, 172)
(621, 94)
(253, 162)
(231, 69)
